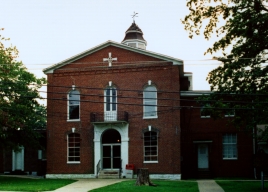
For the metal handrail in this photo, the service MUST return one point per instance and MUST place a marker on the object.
(120, 170)
(98, 168)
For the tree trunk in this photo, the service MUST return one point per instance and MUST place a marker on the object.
(143, 177)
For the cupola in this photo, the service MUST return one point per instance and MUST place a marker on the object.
(134, 37)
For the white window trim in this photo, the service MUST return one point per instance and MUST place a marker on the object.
(230, 158)
(111, 97)
(68, 104)
(156, 151)
(72, 162)
(150, 117)
(150, 161)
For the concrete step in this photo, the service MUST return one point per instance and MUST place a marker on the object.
(104, 174)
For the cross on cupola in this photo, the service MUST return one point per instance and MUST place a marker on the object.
(110, 59)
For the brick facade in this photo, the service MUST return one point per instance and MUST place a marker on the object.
(130, 74)
(196, 130)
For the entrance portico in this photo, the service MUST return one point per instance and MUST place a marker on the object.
(110, 146)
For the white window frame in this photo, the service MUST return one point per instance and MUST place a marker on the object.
(153, 101)
(73, 147)
(68, 107)
(110, 115)
(144, 150)
(229, 148)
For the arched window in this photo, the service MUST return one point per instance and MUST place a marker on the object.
(150, 102)
(74, 105)
(150, 146)
(73, 155)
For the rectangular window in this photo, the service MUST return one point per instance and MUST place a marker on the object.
(150, 147)
(150, 102)
(74, 148)
(229, 146)
(229, 113)
(204, 111)
(74, 105)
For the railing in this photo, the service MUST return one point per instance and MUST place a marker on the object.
(98, 168)
(109, 116)
(120, 170)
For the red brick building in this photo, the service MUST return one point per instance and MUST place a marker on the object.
(119, 104)
(212, 148)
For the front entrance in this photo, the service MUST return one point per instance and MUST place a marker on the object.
(111, 149)
(202, 156)
(18, 160)
(111, 156)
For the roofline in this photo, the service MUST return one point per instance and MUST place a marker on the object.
(195, 93)
(50, 69)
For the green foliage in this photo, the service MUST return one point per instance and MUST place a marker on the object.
(242, 78)
(25, 184)
(20, 112)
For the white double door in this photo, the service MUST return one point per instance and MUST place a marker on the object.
(111, 156)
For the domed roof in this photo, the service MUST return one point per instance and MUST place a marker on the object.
(134, 34)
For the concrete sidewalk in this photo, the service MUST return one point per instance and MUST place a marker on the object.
(209, 186)
(84, 185)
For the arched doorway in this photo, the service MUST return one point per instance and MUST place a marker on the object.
(111, 149)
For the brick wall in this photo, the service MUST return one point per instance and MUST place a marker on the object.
(195, 128)
(131, 72)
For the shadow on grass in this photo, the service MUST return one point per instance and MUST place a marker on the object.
(161, 186)
(28, 184)
(245, 186)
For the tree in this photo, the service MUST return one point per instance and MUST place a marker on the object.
(243, 75)
(143, 178)
(20, 112)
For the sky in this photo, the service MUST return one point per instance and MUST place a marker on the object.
(49, 31)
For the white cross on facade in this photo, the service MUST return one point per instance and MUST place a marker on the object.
(110, 59)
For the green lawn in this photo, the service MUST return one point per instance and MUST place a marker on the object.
(245, 186)
(25, 184)
(162, 186)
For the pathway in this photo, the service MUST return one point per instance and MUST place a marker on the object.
(208, 186)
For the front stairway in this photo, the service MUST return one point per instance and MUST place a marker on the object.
(109, 174)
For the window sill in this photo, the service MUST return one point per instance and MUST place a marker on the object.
(75, 162)
(150, 161)
(229, 158)
(205, 117)
(151, 117)
(73, 120)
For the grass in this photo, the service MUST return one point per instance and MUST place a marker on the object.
(27, 184)
(245, 186)
(162, 186)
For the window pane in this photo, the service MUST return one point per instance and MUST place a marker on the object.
(114, 100)
(74, 103)
(150, 101)
(74, 112)
(150, 146)
(73, 147)
(229, 146)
